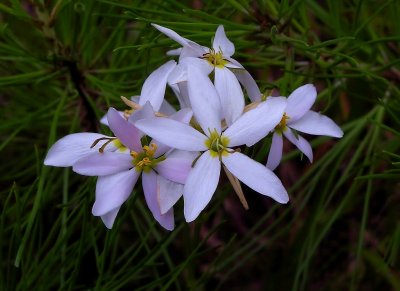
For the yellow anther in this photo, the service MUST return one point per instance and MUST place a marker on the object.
(282, 124)
(150, 150)
(215, 58)
(128, 113)
(134, 154)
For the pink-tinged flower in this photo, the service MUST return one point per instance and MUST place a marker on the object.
(95, 155)
(299, 117)
(227, 71)
(217, 145)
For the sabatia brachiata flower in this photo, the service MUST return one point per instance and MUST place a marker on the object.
(299, 117)
(217, 145)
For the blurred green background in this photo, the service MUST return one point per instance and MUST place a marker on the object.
(63, 63)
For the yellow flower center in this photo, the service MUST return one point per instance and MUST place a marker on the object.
(117, 143)
(215, 58)
(145, 161)
(217, 144)
(282, 124)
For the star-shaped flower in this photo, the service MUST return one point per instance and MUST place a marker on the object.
(217, 145)
(299, 117)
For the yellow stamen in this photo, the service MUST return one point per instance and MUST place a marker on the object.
(215, 58)
(282, 124)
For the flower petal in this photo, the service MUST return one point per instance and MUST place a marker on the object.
(69, 149)
(256, 176)
(124, 131)
(300, 101)
(317, 124)
(204, 100)
(300, 143)
(200, 185)
(230, 92)
(173, 133)
(150, 186)
(172, 34)
(145, 112)
(174, 52)
(102, 164)
(153, 89)
(175, 169)
(222, 43)
(275, 152)
(167, 108)
(168, 193)
(113, 190)
(109, 218)
(255, 124)
(249, 84)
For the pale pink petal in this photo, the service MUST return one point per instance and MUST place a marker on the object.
(173, 133)
(69, 149)
(230, 93)
(205, 101)
(275, 152)
(109, 218)
(146, 111)
(222, 43)
(113, 190)
(149, 182)
(256, 123)
(249, 84)
(166, 108)
(175, 169)
(102, 164)
(317, 124)
(168, 193)
(124, 131)
(200, 185)
(300, 143)
(153, 89)
(300, 101)
(256, 176)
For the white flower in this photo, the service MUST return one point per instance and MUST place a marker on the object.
(217, 145)
(299, 117)
(120, 160)
(218, 58)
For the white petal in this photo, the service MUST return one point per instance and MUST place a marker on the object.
(233, 64)
(173, 133)
(150, 189)
(146, 111)
(192, 50)
(300, 101)
(249, 84)
(175, 169)
(184, 115)
(166, 108)
(113, 190)
(256, 176)
(221, 42)
(255, 124)
(230, 92)
(109, 218)
(174, 52)
(69, 149)
(200, 185)
(101, 164)
(204, 100)
(168, 193)
(275, 152)
(317, 124)
(300, 143)
(172, 35)
(153, 89)
(184, 100)
(124, 131)
(202, 65)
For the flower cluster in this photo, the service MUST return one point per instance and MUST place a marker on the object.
(189, 147)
